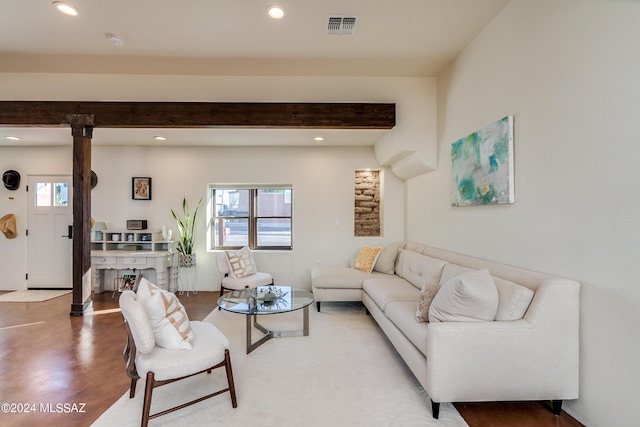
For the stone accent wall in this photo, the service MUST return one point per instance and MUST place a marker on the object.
(367, 204)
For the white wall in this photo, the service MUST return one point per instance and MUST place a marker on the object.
(27, 161)
(322, 178)
(415, 99)
(568, 71)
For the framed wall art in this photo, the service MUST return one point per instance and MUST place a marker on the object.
(482, 166)
(141, 188)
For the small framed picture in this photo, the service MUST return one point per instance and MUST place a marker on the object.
(141, 188)
(127, 283)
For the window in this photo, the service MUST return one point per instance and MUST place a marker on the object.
(52, 194)
(256, 216)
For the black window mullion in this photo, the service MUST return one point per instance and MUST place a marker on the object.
(253, 225)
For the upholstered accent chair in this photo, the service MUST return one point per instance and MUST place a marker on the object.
(236, 282)
(160, 365)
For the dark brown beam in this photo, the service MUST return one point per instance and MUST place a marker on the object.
(202, 114)
(81, 131)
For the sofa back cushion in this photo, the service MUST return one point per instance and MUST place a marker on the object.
(387, 260)
(514, 299)
(418, 269)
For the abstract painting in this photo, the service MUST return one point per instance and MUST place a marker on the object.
(482, 166)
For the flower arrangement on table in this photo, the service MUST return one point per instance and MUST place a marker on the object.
(269, 296)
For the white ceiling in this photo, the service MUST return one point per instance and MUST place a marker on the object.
(233, 38)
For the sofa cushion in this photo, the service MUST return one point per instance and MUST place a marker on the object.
(339, 277)
(470, 296)
(367, 258)
(385, 290)
(425, 298)
(514, 300)
(419, 269)
(450, 270)
(402, 314)
(386, 262)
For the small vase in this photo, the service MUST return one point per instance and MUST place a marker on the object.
(187, 260)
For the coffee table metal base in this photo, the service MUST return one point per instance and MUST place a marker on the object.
(268, 333)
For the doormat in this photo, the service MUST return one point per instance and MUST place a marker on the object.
(33, 295)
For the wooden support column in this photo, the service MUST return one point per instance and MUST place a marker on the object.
(81, 129)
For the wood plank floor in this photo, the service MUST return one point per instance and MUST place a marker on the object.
(68, 370)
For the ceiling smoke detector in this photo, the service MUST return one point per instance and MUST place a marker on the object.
(341, 25)
(115, 40)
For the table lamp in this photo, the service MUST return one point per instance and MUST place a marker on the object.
(97, 230)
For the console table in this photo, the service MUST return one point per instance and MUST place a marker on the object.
(133, 250)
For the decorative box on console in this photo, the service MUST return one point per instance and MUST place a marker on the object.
(136, 224)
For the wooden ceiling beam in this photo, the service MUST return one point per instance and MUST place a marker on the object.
(266, 115)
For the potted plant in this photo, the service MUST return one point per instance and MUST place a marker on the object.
(185, 227)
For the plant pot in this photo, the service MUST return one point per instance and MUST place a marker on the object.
(187, 260)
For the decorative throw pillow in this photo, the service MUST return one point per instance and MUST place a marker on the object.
(367, 258)
(425, 298)
(470, 296)
(168, 317)
(241, 263)
(386, 262)
(145, 288)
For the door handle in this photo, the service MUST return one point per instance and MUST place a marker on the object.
(70, 235)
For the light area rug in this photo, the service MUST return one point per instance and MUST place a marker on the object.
(345, 373)
(33, 295)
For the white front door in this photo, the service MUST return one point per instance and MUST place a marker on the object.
(49, 243)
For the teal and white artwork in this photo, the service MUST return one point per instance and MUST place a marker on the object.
(482, 166)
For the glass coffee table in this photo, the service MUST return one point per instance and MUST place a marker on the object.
(265, 300)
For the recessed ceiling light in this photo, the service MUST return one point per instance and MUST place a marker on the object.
(318, 138)
(275, 11)
(13, 138)
(65, 8)
(115, 40)
(160, 138)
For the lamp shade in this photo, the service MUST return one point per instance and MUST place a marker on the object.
(100, 226)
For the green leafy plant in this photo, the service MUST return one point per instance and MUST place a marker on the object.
(185, 227)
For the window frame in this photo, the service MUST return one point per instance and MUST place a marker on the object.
(252, 218)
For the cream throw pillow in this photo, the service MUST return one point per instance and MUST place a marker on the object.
(428, 292)
(241, 263)
(367, 258)
(168, 317)
(470, 296)
(386, 261)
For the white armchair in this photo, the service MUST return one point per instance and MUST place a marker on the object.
(232, 282)
(160, 366)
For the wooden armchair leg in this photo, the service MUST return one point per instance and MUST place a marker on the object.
(232, 386)
(132, 390)
(148, 392)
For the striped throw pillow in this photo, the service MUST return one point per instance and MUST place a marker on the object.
(169, 320)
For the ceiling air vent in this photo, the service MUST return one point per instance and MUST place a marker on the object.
(341, 25)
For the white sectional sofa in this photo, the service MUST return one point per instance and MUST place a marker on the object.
(529, 352)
